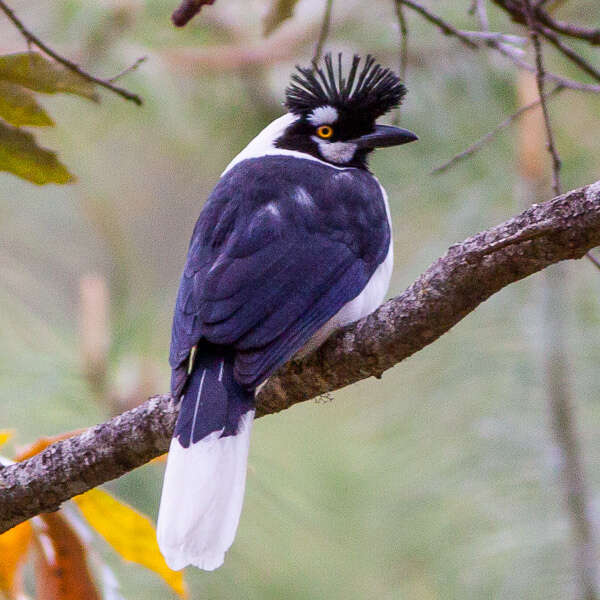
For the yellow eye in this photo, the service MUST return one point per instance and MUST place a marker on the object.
(325, 131)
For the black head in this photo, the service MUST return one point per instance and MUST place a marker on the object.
(337, 114)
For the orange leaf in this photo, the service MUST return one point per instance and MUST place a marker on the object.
(61, 567)
(129, 532)
(160, 459)
(13, 552)
(43, 443)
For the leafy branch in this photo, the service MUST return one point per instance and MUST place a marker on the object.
(22, 74)
(69, 64)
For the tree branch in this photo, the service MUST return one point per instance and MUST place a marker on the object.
(105, 83)
(513, 54)
(453, 286)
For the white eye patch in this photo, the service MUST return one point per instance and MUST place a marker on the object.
(323, 115)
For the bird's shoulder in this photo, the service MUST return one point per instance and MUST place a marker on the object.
(260, 199)
(277, 174)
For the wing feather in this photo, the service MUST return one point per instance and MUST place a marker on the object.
(265, 270)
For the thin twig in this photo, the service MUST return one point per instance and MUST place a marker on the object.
(443, 25)
(129, 69)
(403, 43)
(513, 54)
(569, 53)
(403, 27)
(481, 12)
(593, 260)
(540, 76)
(493, 133)
(505, 38)
(32, 39)
(565, 82)
(516, 9)
(324, 33)
(592, 36)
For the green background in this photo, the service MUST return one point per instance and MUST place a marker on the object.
(440, 480)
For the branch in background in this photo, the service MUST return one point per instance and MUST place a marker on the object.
(517, 9)
(129, 69)
(481, 142)
(32, 39)
(569, 53)
(439, 22)
(593, 260)
(403, 28)
(556, 366)
(558, 79)
(497, 42)
(479, 8)
(187, 10)
(324, 33)
(403, 43)
(591, 36)
(540, 76)
(513, 54)
(452, 287)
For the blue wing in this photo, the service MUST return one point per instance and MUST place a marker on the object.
(280, 247)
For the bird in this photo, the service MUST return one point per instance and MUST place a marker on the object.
(294, 242)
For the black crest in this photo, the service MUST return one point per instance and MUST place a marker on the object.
(371, 91)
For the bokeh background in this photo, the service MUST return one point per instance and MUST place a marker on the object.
(438, 482)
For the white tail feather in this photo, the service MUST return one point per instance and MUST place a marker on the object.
(202, 498)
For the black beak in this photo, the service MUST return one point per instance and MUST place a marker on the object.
(383, 136)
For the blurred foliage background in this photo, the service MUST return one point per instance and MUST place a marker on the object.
(440, 480)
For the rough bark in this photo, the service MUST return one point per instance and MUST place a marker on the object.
(454, 285)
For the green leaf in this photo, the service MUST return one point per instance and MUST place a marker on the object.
(279, 12)
(20, 155)
(33, 71)
(18, 107)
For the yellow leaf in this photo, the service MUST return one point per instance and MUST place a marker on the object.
(13, 552)
(5, 435)
(18, 107)
(61, 563)
(37, 73)
(20, 155)
(130, 533)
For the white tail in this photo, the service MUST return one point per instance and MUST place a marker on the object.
(202, 498)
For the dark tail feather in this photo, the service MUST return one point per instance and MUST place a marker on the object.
(206, 470)
(212, 399)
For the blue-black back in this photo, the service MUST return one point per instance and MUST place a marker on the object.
(282, 244)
